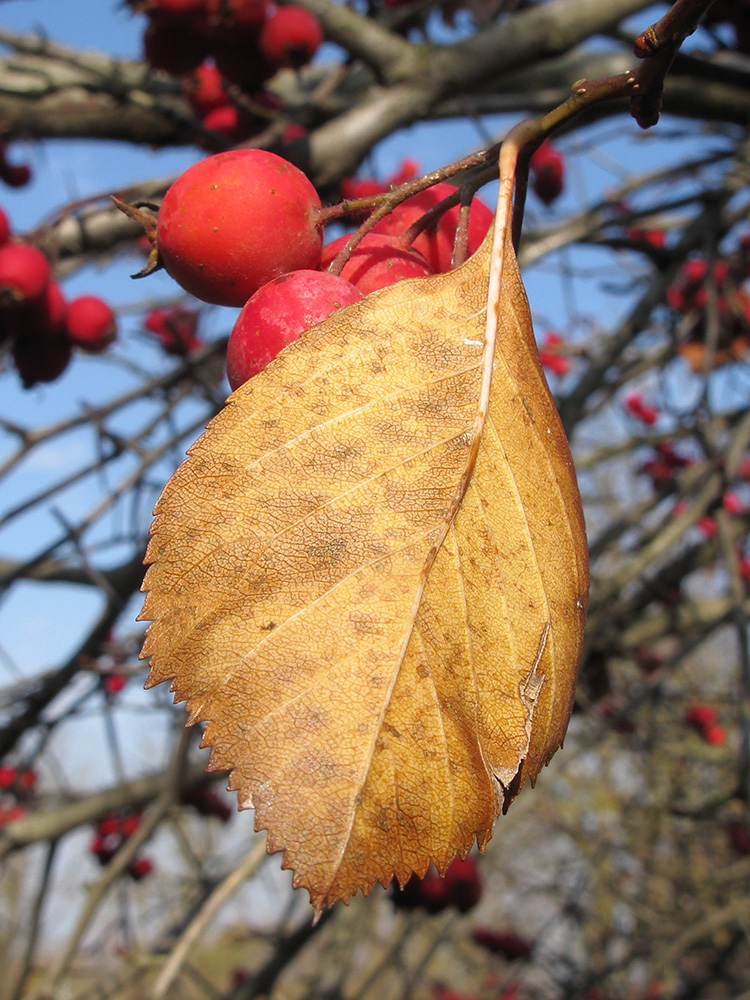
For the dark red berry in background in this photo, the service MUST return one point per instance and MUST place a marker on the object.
(462, 884)
(377, 261)
(506, 943)
(547, 169)
(5, 229)
(41, 359)
(290, 36)
(277, 314)
(14, 175)
(172, 48)
(175, 328)
(204, 89)
(140, 868)
(24, 274)
(90, 323)
(236, 220)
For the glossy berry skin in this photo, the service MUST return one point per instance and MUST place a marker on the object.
(236, 220)
(24, 273)
(204, 89)
(377, 261)
(290, 36)
(90, 323)
(277, 314)
(436, 242)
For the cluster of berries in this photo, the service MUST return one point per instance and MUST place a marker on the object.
(460, 888)
(245, 228)
(735, 13)
(547, 170)
(217, 45)
(688, 296)
(704, 719)
(36, 318)
(16, 787)
(110, 833)
(176, 329)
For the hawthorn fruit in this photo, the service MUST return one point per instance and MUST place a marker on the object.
(90, 324)
(277, 314)
(290, 36)
(24, 274)
(236, 220)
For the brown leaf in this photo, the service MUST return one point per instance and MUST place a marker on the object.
(374, 595)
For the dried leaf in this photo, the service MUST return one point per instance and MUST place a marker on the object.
(374, 595)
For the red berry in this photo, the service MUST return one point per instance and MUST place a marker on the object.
(506, 943)
(40, 359)
(175, 328)
(204, 89)
(113, 684)
(701, 716)
(173, 48)
(548, 172)
(732, 503)
(707, 526)
(290, 36)
(234, 221)
(14, 176)
(140, 868)
(108, 825)
(227, 121)
(715, 735)
(462, 884)
(277, 314)
(436, 242)
(377, 261)
(24, 273)
(8, 776)
(129, 824)
(90, 323)
(4, 227)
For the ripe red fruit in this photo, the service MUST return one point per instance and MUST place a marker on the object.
(277, 314)
(129, 824)
(377, 261)
(290, 36)
(436, 242)
(227, 121)
(108, 824)
(90, 323)
(701, 716)
(24, 273)
(236, 220)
